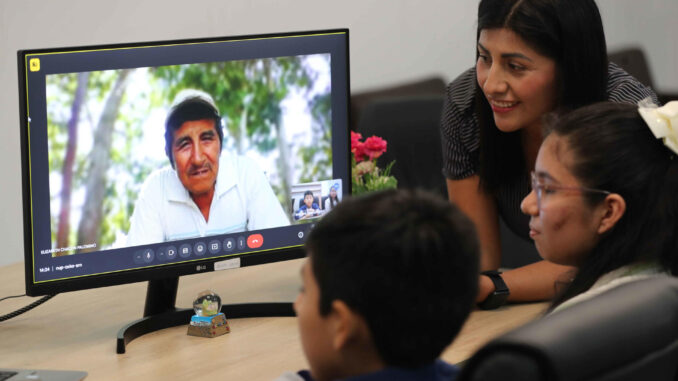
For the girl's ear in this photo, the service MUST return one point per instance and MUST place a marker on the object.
(614, 208)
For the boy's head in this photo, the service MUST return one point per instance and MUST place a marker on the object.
(308, 198)
(389, 280)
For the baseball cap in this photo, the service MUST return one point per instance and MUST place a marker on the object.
(191, 96)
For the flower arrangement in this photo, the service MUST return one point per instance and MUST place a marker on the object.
(367, 177)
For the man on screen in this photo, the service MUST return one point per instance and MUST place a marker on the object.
(206, 191)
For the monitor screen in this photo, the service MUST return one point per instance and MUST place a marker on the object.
(155, 160)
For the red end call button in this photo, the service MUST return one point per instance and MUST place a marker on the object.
(255, 240)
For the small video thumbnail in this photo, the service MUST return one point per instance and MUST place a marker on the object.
(313, 200)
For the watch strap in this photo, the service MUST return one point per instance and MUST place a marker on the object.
(499, 296)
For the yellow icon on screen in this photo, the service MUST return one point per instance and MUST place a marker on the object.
(34, 64)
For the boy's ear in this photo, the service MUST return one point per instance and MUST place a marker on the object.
(614, 207)
(346, 325)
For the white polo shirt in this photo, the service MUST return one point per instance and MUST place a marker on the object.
(243, 200)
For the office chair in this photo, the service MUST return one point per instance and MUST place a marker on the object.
(627, 333)
(423, 87)
(411, 127)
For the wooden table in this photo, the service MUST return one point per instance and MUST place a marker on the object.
(77, 330)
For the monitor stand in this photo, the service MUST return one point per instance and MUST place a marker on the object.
(160, 311)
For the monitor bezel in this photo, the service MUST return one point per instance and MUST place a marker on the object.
(168, 270)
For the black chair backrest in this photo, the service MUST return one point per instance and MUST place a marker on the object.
(423, 87)
(627, 333)
(411, 127)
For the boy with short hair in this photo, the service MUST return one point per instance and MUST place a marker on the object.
(389, 280)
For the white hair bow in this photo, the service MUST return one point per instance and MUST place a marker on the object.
(663, 121)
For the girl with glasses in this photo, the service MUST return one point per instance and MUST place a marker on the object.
(604, 197)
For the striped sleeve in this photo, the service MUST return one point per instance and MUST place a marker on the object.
(459, 128)
(624, 88)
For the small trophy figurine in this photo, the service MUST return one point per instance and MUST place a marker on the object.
(208, 321)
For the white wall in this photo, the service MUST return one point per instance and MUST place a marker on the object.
(391, 41)
(650, 24)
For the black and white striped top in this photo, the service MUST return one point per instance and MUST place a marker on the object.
(460, 137)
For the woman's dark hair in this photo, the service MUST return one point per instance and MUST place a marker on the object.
(613, 149)
(568, 31)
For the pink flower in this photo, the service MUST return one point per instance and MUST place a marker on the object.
(355, 139)
(357, 147)
(374, 147)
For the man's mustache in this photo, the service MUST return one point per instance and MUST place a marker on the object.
(194, 169)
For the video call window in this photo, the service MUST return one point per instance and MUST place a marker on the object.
(106, 137)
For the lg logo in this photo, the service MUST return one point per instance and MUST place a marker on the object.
(200, 267)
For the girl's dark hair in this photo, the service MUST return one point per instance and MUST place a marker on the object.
(568, 31)
(613, 149)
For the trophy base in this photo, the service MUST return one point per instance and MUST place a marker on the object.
(211, 326)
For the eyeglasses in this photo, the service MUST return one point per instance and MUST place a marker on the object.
(541, 188)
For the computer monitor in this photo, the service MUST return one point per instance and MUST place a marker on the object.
(149, 161)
